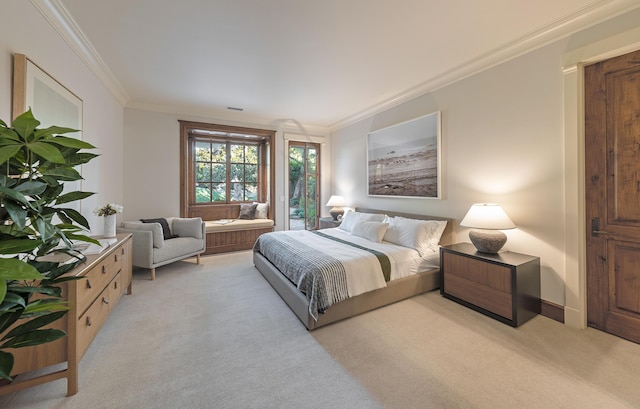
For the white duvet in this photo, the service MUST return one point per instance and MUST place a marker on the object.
(363, 271)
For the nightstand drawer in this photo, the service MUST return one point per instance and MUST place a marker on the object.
(481, 272)
(505, 285)
(490, 299)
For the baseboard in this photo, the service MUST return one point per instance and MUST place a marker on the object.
(552, 310)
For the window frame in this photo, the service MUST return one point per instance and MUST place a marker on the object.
(190, 132)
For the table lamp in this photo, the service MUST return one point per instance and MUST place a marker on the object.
(488, 219)
(336, 202)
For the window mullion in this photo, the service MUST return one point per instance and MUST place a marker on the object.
(228, 177)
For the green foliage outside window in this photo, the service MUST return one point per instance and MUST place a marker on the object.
(213, 164)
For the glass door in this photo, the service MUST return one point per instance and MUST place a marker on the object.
(304, 172)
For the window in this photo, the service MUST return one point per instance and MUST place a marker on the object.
(225, 171)
(222, 165)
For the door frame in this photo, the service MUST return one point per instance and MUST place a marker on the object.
(325, 176)
(575, 310)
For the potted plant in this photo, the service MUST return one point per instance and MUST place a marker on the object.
(34, 223)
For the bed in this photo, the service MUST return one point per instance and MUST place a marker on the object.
(392, 291)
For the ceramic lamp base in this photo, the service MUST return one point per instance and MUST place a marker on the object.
(335, 212)
(488, 241)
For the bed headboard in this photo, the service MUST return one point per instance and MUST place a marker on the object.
(448, 236)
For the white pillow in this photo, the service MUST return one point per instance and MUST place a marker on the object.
(351, 218)
(373, 231)
(422, 235)
(262, 210)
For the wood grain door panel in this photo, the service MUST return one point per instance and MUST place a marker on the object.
(612, 175)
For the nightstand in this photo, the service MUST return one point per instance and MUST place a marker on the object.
(504, 286)
(328, 222)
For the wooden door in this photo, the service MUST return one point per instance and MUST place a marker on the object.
(612, 174)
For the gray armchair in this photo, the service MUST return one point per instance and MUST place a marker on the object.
(153, 246)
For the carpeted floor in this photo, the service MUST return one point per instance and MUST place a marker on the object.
(216, 335)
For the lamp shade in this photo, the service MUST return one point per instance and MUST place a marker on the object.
(488, 216)
(336, 201)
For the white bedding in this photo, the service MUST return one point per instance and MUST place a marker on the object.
(404, 260)
(363, 271)
(329, 271)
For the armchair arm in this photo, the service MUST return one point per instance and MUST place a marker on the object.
(142, 246)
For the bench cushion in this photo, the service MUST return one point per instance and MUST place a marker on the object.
(214, 226)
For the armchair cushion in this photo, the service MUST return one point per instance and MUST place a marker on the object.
(187, 227)
(154, 228)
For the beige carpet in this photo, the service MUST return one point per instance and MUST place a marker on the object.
(216, 335)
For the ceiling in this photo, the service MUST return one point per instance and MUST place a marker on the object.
(315, 63)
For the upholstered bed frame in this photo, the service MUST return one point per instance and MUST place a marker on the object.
(394, 291)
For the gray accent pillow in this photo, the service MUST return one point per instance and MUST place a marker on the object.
(247, 211)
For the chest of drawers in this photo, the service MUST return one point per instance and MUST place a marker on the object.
(103, 279)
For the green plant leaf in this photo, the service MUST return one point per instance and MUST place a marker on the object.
(72, 197)
(34, 324)
(71, 142)
(18, 246)
(7, 319)
(53, 130)
(25, 124)
(31, 188)
(13, 194)
(63, 173)
(36, 337)
(45, 305)
(46, 151)
(6, 365)
(80, 158)
(3, 290)
(12, 301)
(82, 237)
(8, 151)
(14, 269)
(17, 214)
(24, 289)
(76, 217)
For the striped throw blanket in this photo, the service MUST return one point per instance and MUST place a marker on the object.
(306, 259)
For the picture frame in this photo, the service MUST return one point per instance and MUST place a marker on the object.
(404, 160)
(51, 103)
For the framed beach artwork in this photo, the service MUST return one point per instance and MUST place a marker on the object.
(403, 160)
(51, 103)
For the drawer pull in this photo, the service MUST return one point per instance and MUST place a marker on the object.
(105, 301)
(116, 257)
(115, 285)
(104, 269)
(122, 251)
(88, 283)
(89, 322)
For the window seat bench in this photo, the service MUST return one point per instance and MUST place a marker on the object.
(234, 234)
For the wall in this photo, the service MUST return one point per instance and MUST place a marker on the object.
(503, 140)
(152, 162)
(24, 30)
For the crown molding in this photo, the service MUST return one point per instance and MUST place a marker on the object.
(572, 23)
(60, 19)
